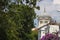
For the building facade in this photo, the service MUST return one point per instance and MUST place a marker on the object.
(46, 25)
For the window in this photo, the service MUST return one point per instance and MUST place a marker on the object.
(46, 21)
(41, 21)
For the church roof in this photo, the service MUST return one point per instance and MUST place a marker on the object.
(44, 15)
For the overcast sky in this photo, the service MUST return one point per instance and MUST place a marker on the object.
(51, 8)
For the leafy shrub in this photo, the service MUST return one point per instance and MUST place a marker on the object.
(50, 37)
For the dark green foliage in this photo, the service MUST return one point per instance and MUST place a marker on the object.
(25, 20)
(8, 27)
(17, 23)
(30, 2)
(3, 4)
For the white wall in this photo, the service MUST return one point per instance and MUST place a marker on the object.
(42, 24)
(54, 28)
(43, 31)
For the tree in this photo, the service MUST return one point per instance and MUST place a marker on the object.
(8, 27)
(3, 4)
(2, 26)
(25, 16)
(16, 24)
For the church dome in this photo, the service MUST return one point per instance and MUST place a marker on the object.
(44, 15)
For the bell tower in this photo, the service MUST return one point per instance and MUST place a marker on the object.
(44, 18)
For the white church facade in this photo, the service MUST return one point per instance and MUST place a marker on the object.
(46, 24)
